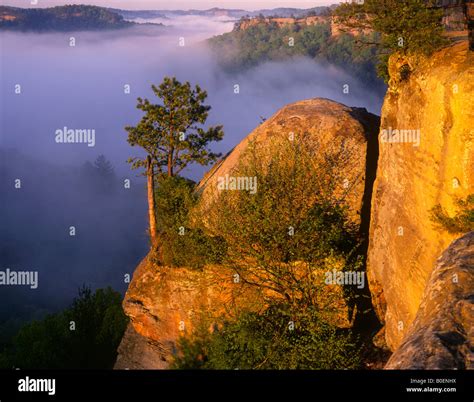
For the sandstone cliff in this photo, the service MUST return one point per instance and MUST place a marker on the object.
(337, 28)
(166, 303)
(281, 22)
(442, 335)
(426, 158)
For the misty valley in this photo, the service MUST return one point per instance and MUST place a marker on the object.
(228, 189)
(103, 74)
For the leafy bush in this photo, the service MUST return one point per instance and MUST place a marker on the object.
(51, 343)
(281, 238)
(295, 226)
(462, 222)
(182, 244)
(275, 339)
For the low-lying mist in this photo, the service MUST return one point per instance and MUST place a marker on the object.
(48, 85)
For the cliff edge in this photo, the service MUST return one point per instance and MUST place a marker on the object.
(426, 158)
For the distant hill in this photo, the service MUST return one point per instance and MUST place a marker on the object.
(62, 18)
(86, 18)
(293, 12)
(259, 40)
(223, 12)
(134, 14)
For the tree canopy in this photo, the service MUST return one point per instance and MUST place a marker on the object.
(171, 131)
(62, 18)
(247, 48)
(85, 335)
(405, 26)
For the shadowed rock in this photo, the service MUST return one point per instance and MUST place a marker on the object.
(442, 335)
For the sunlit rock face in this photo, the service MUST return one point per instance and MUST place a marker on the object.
(442, 334)
(426, 158)
(332, 128)
(166, 303)
(337, 27)
(281, 22)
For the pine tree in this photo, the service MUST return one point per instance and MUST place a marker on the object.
(171, 133)
(104, 167)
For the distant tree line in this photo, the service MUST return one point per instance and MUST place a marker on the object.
(61, 18)
(247, 48)
(84, 336)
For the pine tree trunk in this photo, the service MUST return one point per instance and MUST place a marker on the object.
(170, 164)
(151, 200)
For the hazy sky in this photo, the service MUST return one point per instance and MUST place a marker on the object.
(175, 4)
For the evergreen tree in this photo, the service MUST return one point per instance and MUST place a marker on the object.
(105, 174)
(171, 133)
(104, 167)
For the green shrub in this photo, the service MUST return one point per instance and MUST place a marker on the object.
(182, 244)
(462, 222)
(298, 189)
(275, 339)
(295, 226)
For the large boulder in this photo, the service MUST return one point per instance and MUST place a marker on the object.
(165, 303)
(329, 127)
(442, 334)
